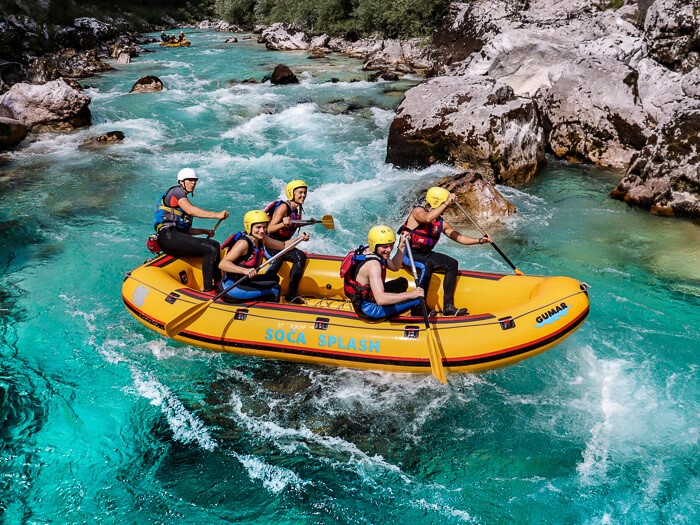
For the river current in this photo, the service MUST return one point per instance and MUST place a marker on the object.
(104, 421)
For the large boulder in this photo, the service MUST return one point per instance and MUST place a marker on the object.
(283, 75)
(665, 176)
(284, 37)
(481, 200)
(54, 106)
(475, 123)
(147, 84)
(592, 112)
(672, 33)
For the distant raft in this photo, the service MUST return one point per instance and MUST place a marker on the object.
(184, 43)
(513, 317)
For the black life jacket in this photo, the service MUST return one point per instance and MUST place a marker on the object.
(287, 232)
(425, 236)
(354, 290)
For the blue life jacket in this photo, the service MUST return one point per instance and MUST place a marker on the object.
(167, 216)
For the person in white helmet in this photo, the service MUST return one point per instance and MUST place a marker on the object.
(173, 224)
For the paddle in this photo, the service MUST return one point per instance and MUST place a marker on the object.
(213, 231)
(326, 221)
(189, 316)
(517, 272)
(435, 360)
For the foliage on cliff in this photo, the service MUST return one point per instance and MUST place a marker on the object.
(139, 13)
(400, 18)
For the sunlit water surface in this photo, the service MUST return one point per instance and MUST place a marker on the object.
(103, 421)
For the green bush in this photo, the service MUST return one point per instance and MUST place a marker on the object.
(400, 18)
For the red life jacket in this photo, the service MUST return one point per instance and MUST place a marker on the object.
(425, 236)
(354, 290)
(287, 232)
(252, 258)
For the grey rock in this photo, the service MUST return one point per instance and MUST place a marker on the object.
(672, 33)
(54, 106)
(147, 84)
(12, 131)
(471, 122)
(284, 37)
(283, 75)
(478, 197)
(592, 112)
(665, 176)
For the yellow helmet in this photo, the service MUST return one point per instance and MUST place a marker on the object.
(436, 196)
(293, 186)
(254, 217)
(380, 235)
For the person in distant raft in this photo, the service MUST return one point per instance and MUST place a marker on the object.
(181, 36)
(424, 226)
(364, 276)
(246, 253)
(173, 223)
(281, 213)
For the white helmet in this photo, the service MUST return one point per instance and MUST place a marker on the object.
(187, 173)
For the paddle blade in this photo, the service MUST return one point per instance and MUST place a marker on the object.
(435, 360)
(327, 221)
(186, 318)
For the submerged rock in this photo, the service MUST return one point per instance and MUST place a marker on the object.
(283, 75)
(147, 84)
(111, 136)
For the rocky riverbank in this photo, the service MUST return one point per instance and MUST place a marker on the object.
(509, 80)
(586, 82)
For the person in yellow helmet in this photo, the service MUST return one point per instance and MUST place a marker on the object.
(364, 277)
(245, 254)
(282, 213)
(425, 225)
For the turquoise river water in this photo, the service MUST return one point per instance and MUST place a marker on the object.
(104, 421)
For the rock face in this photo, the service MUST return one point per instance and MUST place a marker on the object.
(475, 123)
(54, 106)
(580, 127)
(283, 75)
(12, 131)
(665, 176)
(481, 200)
(672, 33)
(147, 84)
(607, 82)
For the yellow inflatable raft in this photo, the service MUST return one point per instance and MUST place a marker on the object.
(184, 43)
(512, 317)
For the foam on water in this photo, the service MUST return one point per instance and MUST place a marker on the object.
(186, 427)
(601, 429)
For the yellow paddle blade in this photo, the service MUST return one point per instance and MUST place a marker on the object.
(186, 318)
(327, 222)
(435, 360)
